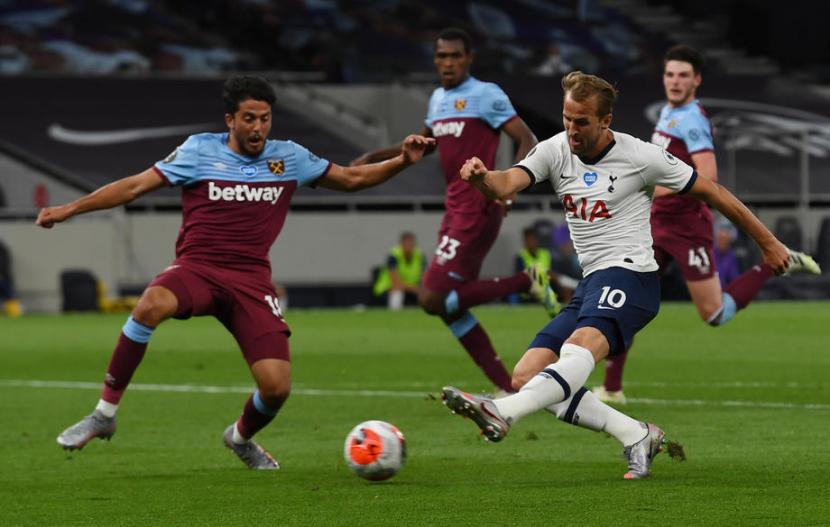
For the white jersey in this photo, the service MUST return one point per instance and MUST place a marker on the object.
(608, 200)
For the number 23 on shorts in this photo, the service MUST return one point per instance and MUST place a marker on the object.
(448, 248)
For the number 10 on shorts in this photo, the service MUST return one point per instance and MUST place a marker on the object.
(611, 298)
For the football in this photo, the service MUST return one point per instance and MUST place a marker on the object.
(375, 450)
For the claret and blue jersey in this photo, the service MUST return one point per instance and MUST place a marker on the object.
(683, 131)
(234, 206)
(466, 122)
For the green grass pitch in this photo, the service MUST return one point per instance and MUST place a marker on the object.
(750, 401)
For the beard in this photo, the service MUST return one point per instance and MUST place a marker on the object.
(248, 149)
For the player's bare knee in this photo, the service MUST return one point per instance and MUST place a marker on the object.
(275, 393)
(155, 306)
(431, 302)
(519, 379)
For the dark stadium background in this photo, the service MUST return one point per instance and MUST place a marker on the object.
(135, 64)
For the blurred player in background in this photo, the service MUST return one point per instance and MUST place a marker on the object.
(605, 180)
(236, 191)
(682, 227)
(466, 116)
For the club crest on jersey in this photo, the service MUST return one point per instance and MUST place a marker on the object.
(276, 166)
(249, 170)
(590, 178)
(460, 104)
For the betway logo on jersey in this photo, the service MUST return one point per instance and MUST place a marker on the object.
(244, 193)
(453, 128)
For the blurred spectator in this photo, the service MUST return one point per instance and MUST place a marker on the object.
(565, 263)
(81, 60)
(553, 63)
(336, 39)
(8, 300)
(725, 258)
(531, 254)
(400, 277)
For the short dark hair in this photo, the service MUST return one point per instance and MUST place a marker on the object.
(529, 231)
(407, 235)
(684, 53)
(243, 87)
(456, 33)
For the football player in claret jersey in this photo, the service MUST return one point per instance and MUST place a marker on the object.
(466, 117)
(605, 180)
(682, 227)
(236, 190)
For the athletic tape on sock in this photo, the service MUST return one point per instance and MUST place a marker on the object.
(730, 307)
(727, 311)
(261, 407)
(451, 302)
(136, 331)
(463, 325)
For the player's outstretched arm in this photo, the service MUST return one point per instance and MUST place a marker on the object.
(388, 153)
(775, 253)
(495, 184)
(354, 178)
(112, 195)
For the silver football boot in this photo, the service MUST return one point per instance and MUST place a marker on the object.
(253, 455)
(480, 409)
(92, 426)
(641, 454)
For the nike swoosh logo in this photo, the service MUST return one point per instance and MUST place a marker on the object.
(605, 307)
(126, 135)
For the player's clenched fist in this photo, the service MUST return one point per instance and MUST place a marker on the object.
(473, 169)
(414, 147)
(50, 216)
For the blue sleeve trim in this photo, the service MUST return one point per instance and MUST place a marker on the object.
(690, 184)
(313, 182)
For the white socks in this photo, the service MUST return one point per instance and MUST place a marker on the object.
(586, 410)
(107, 409)
(554, 384)
(237, 437)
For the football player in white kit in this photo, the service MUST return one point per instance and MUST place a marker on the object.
(605, 180)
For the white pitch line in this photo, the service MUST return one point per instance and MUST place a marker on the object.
(195, 388)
